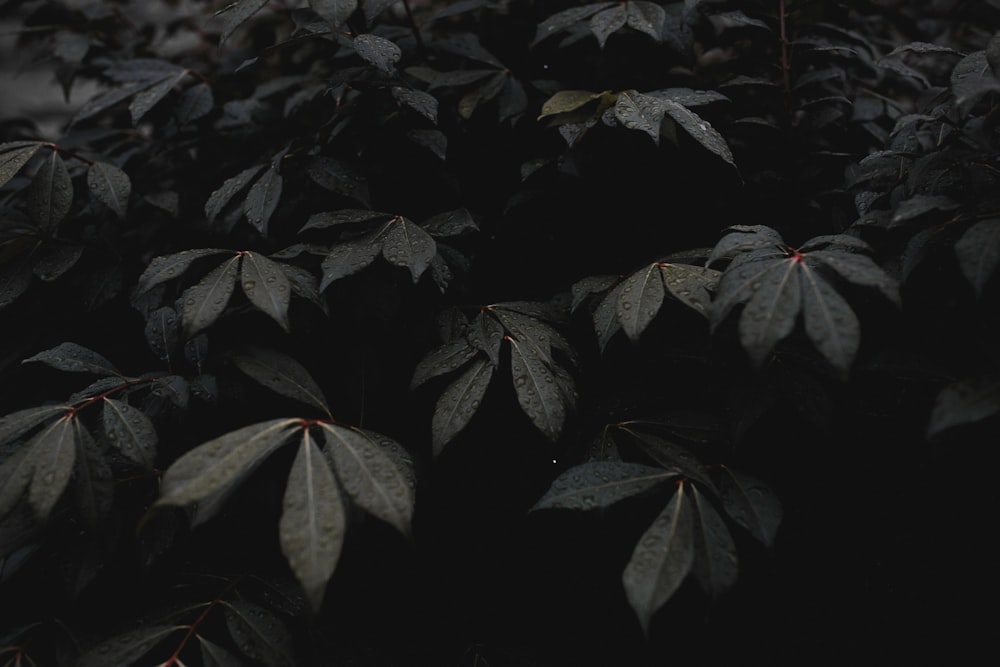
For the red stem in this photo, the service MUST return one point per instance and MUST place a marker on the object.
(785, 61)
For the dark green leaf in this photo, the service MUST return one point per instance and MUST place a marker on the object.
(262, 200)
(716, 564)
(282, 374)
(259, 633)
(699, 129)
(458, 402)
(378, 51)
(829, 321)
(345, 259)
(587, 287)
(266, 286)
(641, 112)
(54, 456)
(93, 482)
(194, 103)
(13, 156)
(609, 21)
(343, 217)
(964, 402)
(646, 17)
(207, 474)
(174, 388)
(143, 70)
(163, 332)
(15, 476)
(445, 359)
(205, 301)
(537, 390)
(423, 103)
(372, 472)
(605, 316)
(485, 333)
(18, 423)
(972, 79)
(111, 186)
(236, 14)
(152, 95)
(107, 100)
(313, 521)
(230, 187)
(131, 432)
(770, 314)
(167, 267)
(56, 261)
(338, 177)
(978, 253)
(691, 285)
(15, 278)
(50, 194)
(75, 358)
(662, 559)
(450, 223)
(483, 93)
(750, 503)
(670, 455)
(126, 649)
(598, 484)
(373, 8)
(859, 270)
(744, 238)
(406, 244)
(334, 12)
(639, 300)
(213, 655)
(567, 18)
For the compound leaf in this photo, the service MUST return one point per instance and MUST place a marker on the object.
(313, 521)
(458, 402)
(230, 188)
(266, 286)
(641, 112)
(149, 97)
(205, 301)
(646, 17)
(486, 334)
(770, 314)
(662, 558)
(15, 476)
(282, 374)
(691, 285)
(829, 321)
(567, 18)
(609, 21)
(236, 14)
(599, 484)
(111, 186)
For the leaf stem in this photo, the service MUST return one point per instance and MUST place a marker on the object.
(785, 58)
(413, 27)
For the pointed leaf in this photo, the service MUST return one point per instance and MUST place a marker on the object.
(167, 267)
(565, 101)
(423, 103)
(378, 51)
(445, 359)
(964, 402)
(599, 484)
(127, 648)
(744, 238)
(18, 423)
(57, 260)
(54, 456)
(486, 334)
(607, 22)
(334, 12)
(458, 402)
(605, 316)
(646, 17)
(670, 455)
(859, 270)
(978, 253)
(662, 559)
(313, 521)
(641, 112)
(15, 476)
(93, 481)
(213, 655)
(407, 245)
(829, 321)
(230, 187)
(75, 358)
(450, 223)
(772, 310)
(345, 259)
(15, 278)
(537, 391)
(262, 200)
(13, 156)
(266, 286)
(281, 374)
(107, 100)
(699, 129)
(236, 14)
(211, 471)
(111, 186)
(163, 332)
(750, 503)
(343, 217)
(194, 103)
(259, 633)
(50, 194)
(716, 564)
(527, 327)
(131, 432)
(691, 285)
(639, 300)
(338, 177)
(567, 18)
(368, 467)
(151, 96)
(205, 301)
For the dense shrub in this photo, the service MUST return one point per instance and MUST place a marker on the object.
(529, 332)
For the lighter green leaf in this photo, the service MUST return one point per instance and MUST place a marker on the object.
(54, 456)
(13, 156)
(407, 245)
(125, 649)
(282, 374)
(639, 300)
(537, 391)
(372, 473)
(111, 186)
(716, 563)
(750, 503)
(167, 267)
(262, 200)
(50, 194)
(205, 301)
(259, 633)
(978, 253)
(829, 321)
(599, 484)
(211, 471)
(313, 521)
(458, 402)
(661, 560)
(131, 432)
(266, 286)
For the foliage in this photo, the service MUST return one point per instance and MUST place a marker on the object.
(328, 325)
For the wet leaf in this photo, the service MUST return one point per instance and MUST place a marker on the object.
(609, 21)
(485, 333)
(857, 269)
(111, 186)
(485, 92)
(641, 112)
(750, 503)
(230, 188)
(670, 455)
(699, 129)
(599, 484)
(54, 457)
(407, 245)
(213, 655)
(524, 322)
(131, 432)
(194, 103)
(965, 402)
(373, 8)
(691, 285)
(13, 156)
(349, 257)
(50, 194)
(639, 300)
(829, 322)
(770, 314)
(266, 286)
(339, 177)
(236, 14)
(18, 423)
(15, 476)
(174, 388)
(567, 18)
(662, 559)
(125, 649)
(334, 12)
(56, 261)
(167, 267)
(74, 358)
(205, 301)
(605, 316)
(423, 103)
(262, 200)
(372, 473)
(93, 481)
(450, 223)
(378, 51)
(458, 402)
(313, 521)
(163, 332)
(646, 17)
(449, 357)
(744, 238)
(259, 633)
(978, 253)
(537, 391)
(716, 564)
(210, 472)
(149, 97)
(281, 374)
(344, 216)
